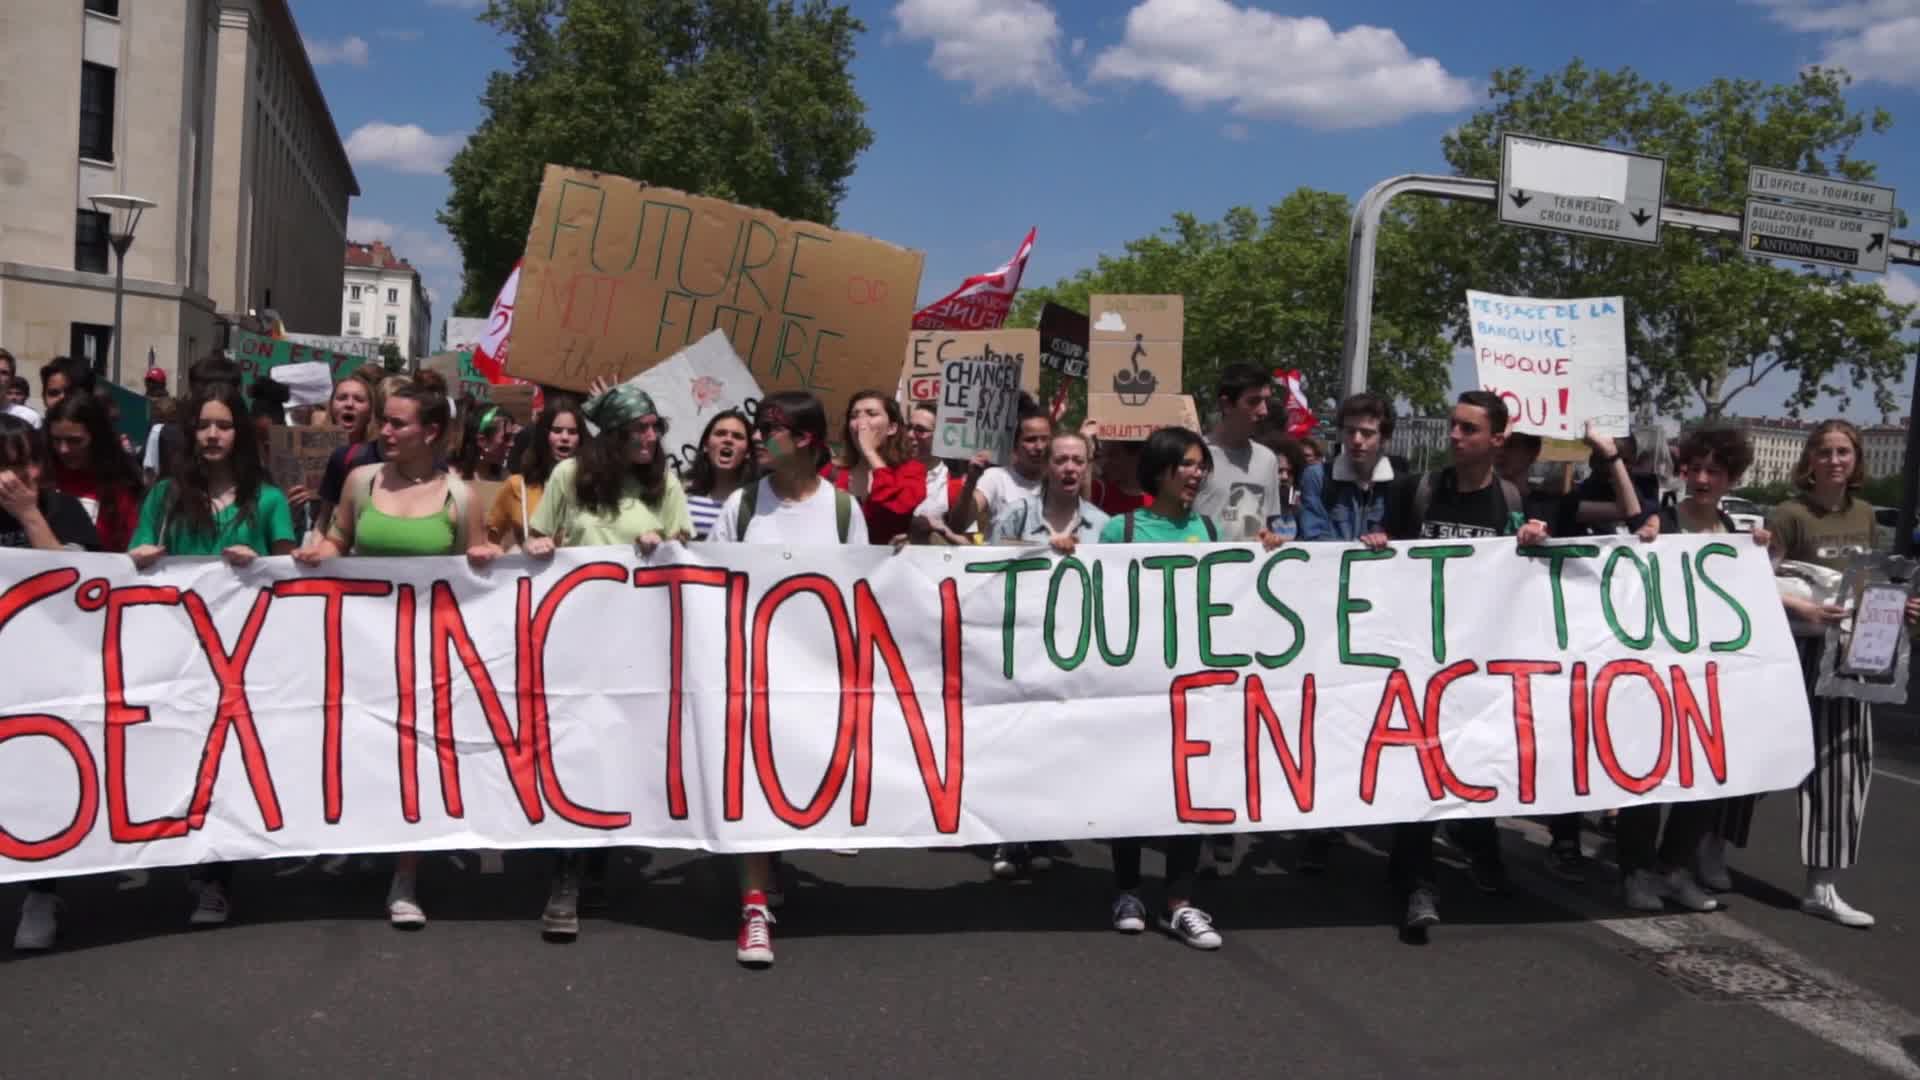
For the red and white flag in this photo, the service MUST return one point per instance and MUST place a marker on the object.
(490, 352)
(1300, 418)
(982, 301)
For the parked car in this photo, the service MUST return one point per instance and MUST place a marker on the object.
(1746, 516)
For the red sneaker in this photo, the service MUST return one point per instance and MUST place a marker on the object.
(754, 948)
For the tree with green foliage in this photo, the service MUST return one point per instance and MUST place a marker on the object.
(390, 357)
(1272, 292)
(1706, 321)
(745, 100)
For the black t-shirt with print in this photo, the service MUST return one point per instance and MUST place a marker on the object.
(1465, 515)
(65, 516)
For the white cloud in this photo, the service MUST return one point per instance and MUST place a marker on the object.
(1900, 287)
(351, 51)
(1268, 66)
(407, 148)
(1874, 40)
(428, 249)
(996, 45)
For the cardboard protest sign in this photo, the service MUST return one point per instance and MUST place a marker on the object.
(465, 380)
(1063, 341)
(1133, 365)
(699, 381)
(930, 350)
(1556, 363)
(257, 354)
(979, 407)
(1116, 421)
(619, 276)
(297, 456)
(1338, 691)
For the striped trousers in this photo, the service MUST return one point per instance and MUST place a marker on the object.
(1833, 798)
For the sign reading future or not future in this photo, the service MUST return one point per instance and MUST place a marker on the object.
(1817, 219)
(1585, 190)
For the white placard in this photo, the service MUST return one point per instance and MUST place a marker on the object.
(1556, 363)
(979, 407)
(700, 380)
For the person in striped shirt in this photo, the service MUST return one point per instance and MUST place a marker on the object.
(721, 466)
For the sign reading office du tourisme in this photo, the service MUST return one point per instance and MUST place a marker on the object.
(755, 698)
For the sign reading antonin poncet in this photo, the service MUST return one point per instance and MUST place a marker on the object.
(979, 407)
(619, 276)
(1556, 363)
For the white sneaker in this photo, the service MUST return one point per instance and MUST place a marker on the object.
(1710, 864)
(403, 910)
(39, 922)
(1823, 901)
(1678, 886)
(1192, 927)
(212, 908)
(1129, 914)
(1644, 891)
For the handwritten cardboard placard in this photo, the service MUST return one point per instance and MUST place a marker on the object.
(619, 276)
(1556, 363)
(1134, 347)
(930, 350)
(465, 380)
(297, 456)
(1063, 341)
(1118, 421)
(979, 407)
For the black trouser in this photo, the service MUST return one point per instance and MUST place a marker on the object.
(1411, 863)
(218, 873)
(591, 863)
(1565, 830)
(1642, 846)
(1183, 863)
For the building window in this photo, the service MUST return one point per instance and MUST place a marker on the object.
(353, 322)
(90, 241)
(91, 341)
(393, 296)
(353, 292)
(393, 325)
(104, 7)
(96, 111)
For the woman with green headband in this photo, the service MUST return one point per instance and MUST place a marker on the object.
(616, 490)
(485, 438)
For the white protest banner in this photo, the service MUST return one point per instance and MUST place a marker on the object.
(979, 407)
(705, 378)
(1556, 363)
(740, 698)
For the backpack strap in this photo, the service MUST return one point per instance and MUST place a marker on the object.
(1213, 531)
(1510, 492)
(842, 513)
(749, 496)
(460, 495)
(1422, 500)
(1127, 530)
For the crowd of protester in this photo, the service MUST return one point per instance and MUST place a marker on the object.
(422, 474)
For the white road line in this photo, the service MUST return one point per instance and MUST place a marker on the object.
(1901, 777)
(1854, 1019)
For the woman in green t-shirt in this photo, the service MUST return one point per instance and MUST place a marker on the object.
(616, 490)
(217, 502)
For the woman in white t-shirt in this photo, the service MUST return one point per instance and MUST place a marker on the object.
(790, 504)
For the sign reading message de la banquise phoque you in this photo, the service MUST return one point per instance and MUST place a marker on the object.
(619, 276)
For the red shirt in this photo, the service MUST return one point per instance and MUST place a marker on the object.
(114, 516)
(1109, 498)
(892, 494)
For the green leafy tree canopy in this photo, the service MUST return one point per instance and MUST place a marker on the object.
(745, 100)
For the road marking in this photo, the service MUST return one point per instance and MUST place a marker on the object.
(1901, 777)
(1850, 1017)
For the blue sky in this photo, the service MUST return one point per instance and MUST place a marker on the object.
(1096, 120)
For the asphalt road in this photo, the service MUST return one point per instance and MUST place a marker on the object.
(916, 962)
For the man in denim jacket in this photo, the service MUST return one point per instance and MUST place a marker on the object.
(1346, 499)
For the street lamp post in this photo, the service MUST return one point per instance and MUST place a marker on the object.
(123, 217)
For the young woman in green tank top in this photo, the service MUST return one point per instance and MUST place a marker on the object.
(406, 505)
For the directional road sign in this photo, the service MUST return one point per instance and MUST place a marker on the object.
(1587, 190)
(1817, 219)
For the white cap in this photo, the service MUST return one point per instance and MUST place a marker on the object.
(22, 412)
